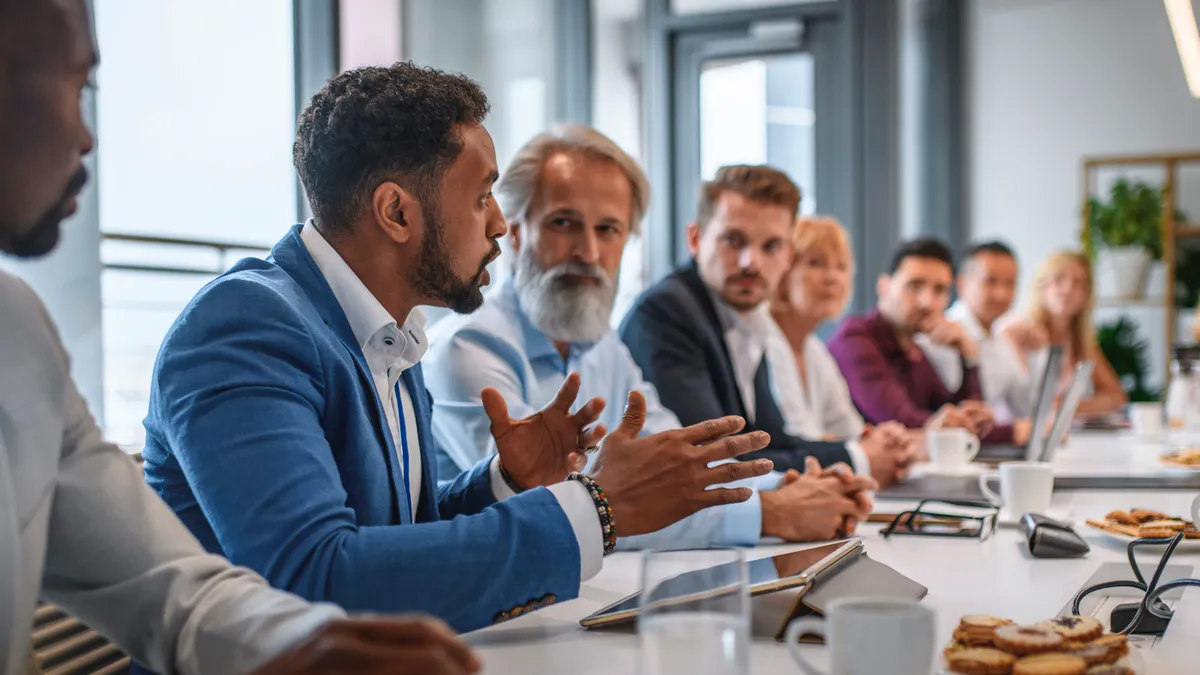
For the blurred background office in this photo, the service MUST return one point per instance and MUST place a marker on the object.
(963, 119)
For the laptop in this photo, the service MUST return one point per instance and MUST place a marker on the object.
(1043, 411)
(966, 488)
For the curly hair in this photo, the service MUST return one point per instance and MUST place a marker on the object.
(371, 125)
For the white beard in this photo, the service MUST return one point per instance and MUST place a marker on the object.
(565, 313)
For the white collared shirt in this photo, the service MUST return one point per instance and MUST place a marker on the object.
(390, 350)
(819, 406)
(1007, 386)
(747, 338)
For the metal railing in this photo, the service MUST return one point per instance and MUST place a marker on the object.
(222, 248)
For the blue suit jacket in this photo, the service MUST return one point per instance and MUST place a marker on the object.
(266, 437)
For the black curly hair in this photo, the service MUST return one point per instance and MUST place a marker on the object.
(370, 125)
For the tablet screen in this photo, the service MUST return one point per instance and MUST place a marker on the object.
(761, 573)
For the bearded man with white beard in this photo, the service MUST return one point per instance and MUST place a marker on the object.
(572, 199)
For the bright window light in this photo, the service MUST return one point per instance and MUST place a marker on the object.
(1187, 40)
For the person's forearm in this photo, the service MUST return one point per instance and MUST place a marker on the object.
(1001, 433)
(1101, 404)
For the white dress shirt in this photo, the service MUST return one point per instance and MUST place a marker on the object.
(80, 528)
(390, 350)
(819, 406)
(748, 339)
(1007, 387)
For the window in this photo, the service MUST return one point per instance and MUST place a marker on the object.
(617, 113)
(195, 121)
(759, 110)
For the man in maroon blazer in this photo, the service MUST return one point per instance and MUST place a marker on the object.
(888, 374)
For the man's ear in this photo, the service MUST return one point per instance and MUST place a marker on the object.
(693, 238)
(514, 236)
(397, 212)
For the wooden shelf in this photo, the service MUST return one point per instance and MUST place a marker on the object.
(1187, 230)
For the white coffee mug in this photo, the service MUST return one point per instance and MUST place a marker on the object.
(869, 636)
(1147, 420)
(951, 449)
(1025, 487)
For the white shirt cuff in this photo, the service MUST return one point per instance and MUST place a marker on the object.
(858, 458)
(500, 489)
(577, 503)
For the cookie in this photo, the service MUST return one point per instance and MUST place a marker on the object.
(976, 630)
(958, 647)
(1155, 533)
(1109, 526)
(1177, 525)
(1096, 655)
(1121, 518)
(1050, 664)
(1025, 640)
(1117, 645)
(1144, 515)
(980, 661)
(1075, 628)
(1109, 670)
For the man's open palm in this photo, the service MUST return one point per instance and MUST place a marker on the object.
(546, 446)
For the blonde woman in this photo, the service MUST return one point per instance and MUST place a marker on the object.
(812, 394)
(1059, 312)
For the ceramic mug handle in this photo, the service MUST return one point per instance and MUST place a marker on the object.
(805, 625)
(985, 487)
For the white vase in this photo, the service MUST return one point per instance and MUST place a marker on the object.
(1127, 268)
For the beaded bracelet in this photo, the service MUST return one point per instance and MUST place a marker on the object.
(608, 528)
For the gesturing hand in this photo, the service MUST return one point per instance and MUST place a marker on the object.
(546, 446)
(657, 480)
(377, 646)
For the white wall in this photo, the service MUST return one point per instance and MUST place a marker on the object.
(1052, 81)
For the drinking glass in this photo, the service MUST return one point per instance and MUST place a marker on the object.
(694, 621)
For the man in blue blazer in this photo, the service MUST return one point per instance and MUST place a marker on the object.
(289, 425)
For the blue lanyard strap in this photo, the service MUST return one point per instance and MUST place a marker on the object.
(404, 447)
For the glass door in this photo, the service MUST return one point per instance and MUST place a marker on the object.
(755, 94)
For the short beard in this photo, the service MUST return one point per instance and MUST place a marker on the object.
(44, 235)
(563, 311)
(434, 276)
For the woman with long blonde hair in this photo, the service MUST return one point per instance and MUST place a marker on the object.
(1059, 312)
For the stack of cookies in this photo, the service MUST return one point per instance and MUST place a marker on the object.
(1141, 524)
(1068, 645)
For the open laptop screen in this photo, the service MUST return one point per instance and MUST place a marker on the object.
(1043, 405)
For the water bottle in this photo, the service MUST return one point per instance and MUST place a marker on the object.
(1183, 396)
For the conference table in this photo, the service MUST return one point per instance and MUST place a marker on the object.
(994, 576)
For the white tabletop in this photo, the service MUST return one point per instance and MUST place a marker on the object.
(963, 576)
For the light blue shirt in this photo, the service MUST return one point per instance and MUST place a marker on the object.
(498, 347)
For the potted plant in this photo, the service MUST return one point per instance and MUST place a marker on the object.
(1126, 353)
(1124, 235)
